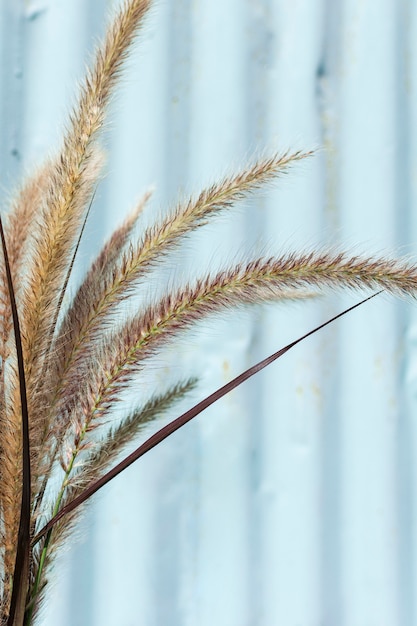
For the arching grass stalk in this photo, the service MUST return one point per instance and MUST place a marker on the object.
(173, 426)
(153, 441)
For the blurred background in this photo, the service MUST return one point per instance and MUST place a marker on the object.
(292, 502)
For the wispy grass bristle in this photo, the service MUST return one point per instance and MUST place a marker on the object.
(100, 455)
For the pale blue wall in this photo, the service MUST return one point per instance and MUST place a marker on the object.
(292, 502)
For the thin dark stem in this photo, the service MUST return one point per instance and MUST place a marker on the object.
(40, 495)
(21, 568)
(173, 426)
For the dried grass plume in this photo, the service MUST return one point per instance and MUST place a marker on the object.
(78, 358)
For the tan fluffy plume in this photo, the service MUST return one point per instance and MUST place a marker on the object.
(79, 357)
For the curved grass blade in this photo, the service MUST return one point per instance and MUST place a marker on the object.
(62, 296)
(71, 265)
(21, 569)
(40, 495)
(170, 428)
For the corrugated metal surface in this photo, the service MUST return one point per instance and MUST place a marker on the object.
(292, 502)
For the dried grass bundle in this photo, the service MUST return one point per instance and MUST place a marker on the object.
(63, 371)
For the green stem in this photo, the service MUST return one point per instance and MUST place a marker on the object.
(42, 560)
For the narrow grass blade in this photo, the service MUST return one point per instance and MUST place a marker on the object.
(71, 265)
(39, 496)
(21, 570)
(173, 426)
